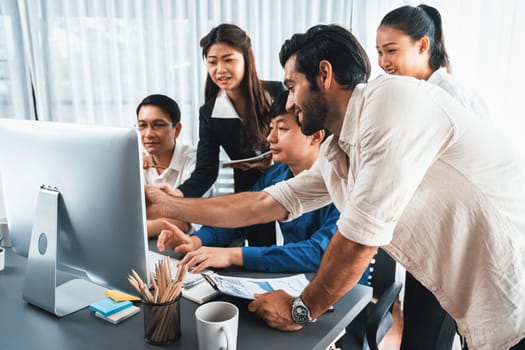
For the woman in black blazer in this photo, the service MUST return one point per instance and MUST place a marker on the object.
(235, 114)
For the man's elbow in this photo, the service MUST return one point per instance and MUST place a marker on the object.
(272, 209)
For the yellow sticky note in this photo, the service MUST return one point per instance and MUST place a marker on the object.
(117, 295)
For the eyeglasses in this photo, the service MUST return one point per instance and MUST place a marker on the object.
(156, 125)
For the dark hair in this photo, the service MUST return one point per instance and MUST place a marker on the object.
(278, 106)
(255, 124)
(417, 22)
(332, 43)
(168, 106)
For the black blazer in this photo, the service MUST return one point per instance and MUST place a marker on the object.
(216, 132)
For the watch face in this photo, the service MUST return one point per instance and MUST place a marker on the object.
(300, 314)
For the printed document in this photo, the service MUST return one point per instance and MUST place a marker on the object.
(246, 287)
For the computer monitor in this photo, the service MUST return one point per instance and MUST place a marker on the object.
(76, 192)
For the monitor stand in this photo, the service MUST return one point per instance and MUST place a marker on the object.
(40, 287)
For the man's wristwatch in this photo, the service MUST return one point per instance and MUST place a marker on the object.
(300, 312)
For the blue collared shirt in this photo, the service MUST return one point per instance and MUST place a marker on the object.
(305, 238)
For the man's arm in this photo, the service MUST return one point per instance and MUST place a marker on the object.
(299, 256)
(343, 264)
(207, 164)
(172, 237)
(157, 225)
(237, 210)
(341, 268)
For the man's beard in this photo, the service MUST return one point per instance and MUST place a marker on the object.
(315, 111)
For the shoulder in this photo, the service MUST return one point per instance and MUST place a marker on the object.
(392, 105)
(391, 85)
(445, 81)
(466, 96)
(400, 93)
(277, 169)
(206, 109)
(187, 150)
(274, 174)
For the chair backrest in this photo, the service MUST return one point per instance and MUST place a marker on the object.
(371, 325)
(224, 184)
(380, 317)
(382, 272)
(274, 88)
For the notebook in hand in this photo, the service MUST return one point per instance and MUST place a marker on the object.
(258, 158)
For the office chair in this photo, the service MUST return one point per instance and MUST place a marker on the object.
(274, 88)
(368, 329)
(224, 183)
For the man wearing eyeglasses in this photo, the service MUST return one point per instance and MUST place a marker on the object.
(166, 160)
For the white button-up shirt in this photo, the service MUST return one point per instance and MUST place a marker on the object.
(467, 98)
(415, 172)
(180, 168)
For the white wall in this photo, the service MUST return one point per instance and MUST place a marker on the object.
(2, 207)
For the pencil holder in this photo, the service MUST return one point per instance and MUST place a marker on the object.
(161, 322)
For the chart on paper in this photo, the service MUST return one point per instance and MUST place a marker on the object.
(246, 287)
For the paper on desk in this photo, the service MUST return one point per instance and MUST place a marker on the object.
(247, 287)
(117, 295)
(190, 280)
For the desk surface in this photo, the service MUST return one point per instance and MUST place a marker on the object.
(23, 326)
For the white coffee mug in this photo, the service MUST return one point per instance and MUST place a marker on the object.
(217, 325)
(2, 258)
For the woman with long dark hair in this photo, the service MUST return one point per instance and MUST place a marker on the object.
(235, 112)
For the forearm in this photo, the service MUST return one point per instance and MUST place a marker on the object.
(237, 210)
(341, 268)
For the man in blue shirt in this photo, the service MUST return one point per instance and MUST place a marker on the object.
(305, 238)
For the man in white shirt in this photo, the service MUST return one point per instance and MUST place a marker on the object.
(170, 162)
(411, 171)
